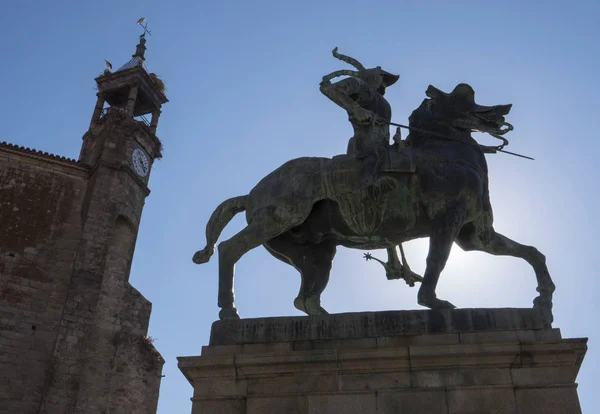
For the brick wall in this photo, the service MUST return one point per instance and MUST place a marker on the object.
(40, 225)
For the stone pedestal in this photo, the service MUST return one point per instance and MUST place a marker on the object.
(467, 361)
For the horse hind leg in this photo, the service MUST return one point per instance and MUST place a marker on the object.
(315, 269)
(500, 245)
(313, 261)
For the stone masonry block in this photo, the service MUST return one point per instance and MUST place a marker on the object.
(219, 387)
(489, 337)
(404, 341)
(548, 400)
(539, 335)
(374, 325)
(221, 350)
(497, 400)
(374, 381)
(543, 375)
(333, 344)
(293, 384)
(460, 377)
(287, 405)
(266, 348)
(224, 406)
(342, 403)
(412, 402)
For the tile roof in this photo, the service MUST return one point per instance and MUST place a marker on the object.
(31, 151)
(135, 61)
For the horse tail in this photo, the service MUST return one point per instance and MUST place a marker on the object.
(217, 222)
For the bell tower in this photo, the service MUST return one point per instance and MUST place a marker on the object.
(130, 94)
(118, 152)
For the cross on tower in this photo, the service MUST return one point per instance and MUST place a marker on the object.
(145, 27)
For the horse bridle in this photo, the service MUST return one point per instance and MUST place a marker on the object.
(499, 148)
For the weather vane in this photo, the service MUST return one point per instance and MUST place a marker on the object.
(145, 27)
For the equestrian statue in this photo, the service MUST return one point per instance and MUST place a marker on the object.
(377, 196)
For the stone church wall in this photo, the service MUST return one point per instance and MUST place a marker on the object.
(73, 331)
(40, 226)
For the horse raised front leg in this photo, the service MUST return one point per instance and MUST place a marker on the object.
(444, 232)
(503, 246)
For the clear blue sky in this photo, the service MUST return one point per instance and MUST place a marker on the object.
(242, 78)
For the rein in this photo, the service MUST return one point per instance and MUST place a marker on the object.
(499, 148)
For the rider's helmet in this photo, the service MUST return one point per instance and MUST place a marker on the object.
(375, 77)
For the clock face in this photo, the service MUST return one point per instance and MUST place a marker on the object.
(140, 162)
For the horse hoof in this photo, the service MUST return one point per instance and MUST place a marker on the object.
(313, 307)
(436, 303)
(229, 314)
(545, 305)
(299, 304)
(443, 304)
(203, 256)
(317, 312)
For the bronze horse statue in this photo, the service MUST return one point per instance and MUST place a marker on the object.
(307, 207)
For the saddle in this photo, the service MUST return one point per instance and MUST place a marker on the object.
(399, 160)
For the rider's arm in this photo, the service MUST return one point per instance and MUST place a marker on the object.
(341, 93)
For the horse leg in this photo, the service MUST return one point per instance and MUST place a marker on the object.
(500, 245)
(313, 261)
(283, 248)
(315, 269)
(444, 231)
(230, 251)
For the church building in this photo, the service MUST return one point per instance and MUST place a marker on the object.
(73, 331)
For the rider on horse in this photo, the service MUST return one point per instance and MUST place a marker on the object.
(361, 95)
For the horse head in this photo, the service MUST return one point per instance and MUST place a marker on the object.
(456, 114)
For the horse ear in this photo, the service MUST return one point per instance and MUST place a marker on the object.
(433, 92)
(465, 92)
